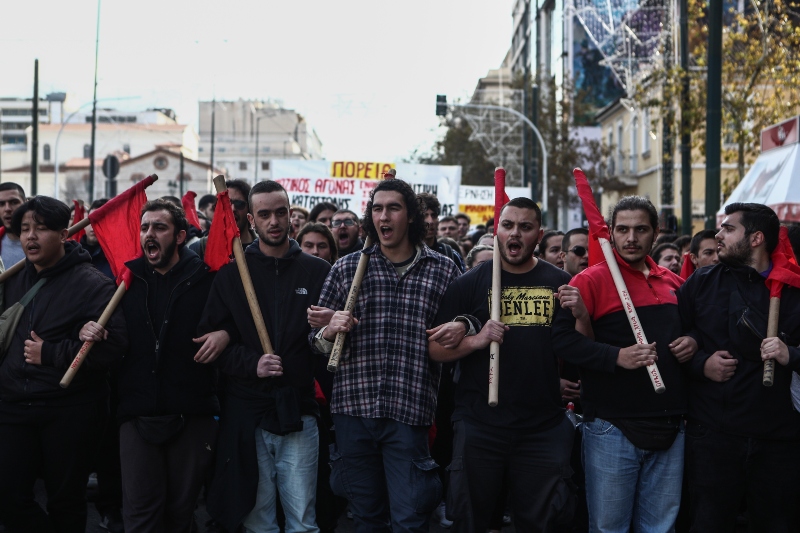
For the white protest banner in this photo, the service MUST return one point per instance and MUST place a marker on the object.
(347, 184)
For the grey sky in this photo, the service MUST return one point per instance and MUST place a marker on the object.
(364, 73)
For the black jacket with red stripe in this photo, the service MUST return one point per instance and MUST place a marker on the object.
(609, 391)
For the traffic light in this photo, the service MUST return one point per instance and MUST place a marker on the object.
(441, 105)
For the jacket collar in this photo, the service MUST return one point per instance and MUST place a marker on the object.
(655, 270)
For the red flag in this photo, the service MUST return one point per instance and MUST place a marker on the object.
(190, 209)
(500, 196)
(220, 237)
(785, 270)
(80, 214)
(597, 225)
(116, 226)
(688, 268)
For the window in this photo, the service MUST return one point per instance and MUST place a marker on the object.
(646, 131)
(87, 151)
(620, 160)
(265, 165)
(126, 148)
(635, 145)
(46, 152)
(242, 165)
(160, 162)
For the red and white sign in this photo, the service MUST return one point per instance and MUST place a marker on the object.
(780, 134)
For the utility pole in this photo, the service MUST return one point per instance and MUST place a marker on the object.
(713, 112)
(535, 149)
(94, 109)
(213, 119)
(35, 135)
(686, 134)
(667, 149)
(181, 176)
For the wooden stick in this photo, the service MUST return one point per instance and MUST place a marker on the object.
(87, 346)
(350, 304)
(630, 310)
(772, 331)
(19, 265)
(494, 347)
(247, 281)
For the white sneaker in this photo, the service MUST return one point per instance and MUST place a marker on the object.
(441, 517)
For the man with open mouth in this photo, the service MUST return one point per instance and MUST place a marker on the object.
(346, 228)
(45, 430)
(384, 393)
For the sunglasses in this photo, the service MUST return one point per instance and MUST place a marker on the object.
(239, 204)
(580, 251)
(348, 222)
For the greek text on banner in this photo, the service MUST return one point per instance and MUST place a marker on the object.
(359, 169)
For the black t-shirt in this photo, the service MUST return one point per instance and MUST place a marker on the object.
(529, 395)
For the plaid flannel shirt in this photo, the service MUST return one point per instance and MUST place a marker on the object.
(384, 370)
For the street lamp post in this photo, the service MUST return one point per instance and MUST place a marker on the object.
(258, 128)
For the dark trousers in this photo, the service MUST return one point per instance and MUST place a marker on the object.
(161, 483)
(722, 469)
(106, 461)
(52, 442)
(534, 464)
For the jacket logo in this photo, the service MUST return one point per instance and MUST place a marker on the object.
(301, 290)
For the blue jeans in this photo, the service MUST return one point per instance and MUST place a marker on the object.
(627, 488)
(385, 469)
(287, 465)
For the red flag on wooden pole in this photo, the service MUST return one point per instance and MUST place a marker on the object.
(80, 214)
(688, 268)
(220, 237)
(191, 210)
(500, 196)
(597, 225)
(116, 226)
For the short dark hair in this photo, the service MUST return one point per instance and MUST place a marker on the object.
(319, 208)
(523, 203)
(206, 200)
(658, 251)
(325, 231)
(300, 209)
(97, 204)
(431, 202)
(448, 219)
(48, 211)
(340, 211)
(240, 185)
(635, 203)
(11, 186)
(177, 213)
(463, 215)
(568, 235)
(415, 208)
(682, 241)
(758, 217)
(666, 237)
(173, 199)
(266, 186)
(699, 237)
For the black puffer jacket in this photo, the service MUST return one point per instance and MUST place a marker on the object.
(160, 376)
(74, 294)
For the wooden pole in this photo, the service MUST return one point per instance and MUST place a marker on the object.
(247, 281)
(350, 304)
(494, 347)
(772, 331)
(87, 346)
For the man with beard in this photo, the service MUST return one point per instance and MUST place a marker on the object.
(526, 439)
(346, 228)
(238, 192)
(741, 437)
(167, 400)
(48, 431)
(384, 393)
(550, 248)
(268, 441)
(632, 437)
(11, 197)
(575, 251)
(432, 209)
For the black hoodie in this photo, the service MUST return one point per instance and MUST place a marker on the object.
(74, 294)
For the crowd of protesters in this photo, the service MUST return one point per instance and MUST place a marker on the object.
(178, 402)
